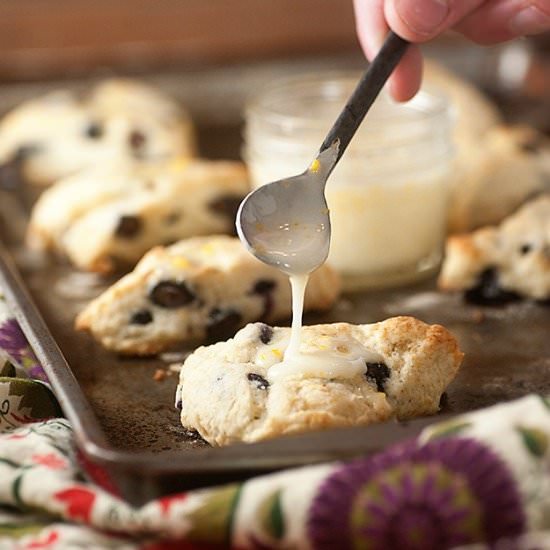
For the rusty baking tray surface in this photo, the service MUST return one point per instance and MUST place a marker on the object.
(126, 421)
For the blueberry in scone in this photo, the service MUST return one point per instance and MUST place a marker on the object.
(231, 392)
(119, 119)
(199, 289)
(502, 264)
(107, 218)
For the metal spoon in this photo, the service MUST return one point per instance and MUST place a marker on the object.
(286, 223)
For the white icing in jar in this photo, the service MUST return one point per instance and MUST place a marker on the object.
(387, 196)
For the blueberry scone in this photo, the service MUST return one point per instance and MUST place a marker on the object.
(473, 112)
(350, 375)
(59, 134)
(199, 288)
(502, 170)
(497, 166)
(107, 218)
(503, 263)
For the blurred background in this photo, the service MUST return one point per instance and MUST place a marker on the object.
(214, 54)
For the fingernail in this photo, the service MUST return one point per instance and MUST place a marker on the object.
(422, 16)
(529, 20)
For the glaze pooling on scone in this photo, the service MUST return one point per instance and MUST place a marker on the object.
(325, 357)
(497, 265)
(118, 120)
(109, 217)
(228, 395)
(197, 289)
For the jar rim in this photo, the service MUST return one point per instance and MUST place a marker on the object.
(332, 84)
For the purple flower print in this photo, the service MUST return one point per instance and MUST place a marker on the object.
(14, 343)
(436, 496)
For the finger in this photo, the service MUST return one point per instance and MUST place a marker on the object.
(422, 20)
(501, 20)
(372, 30)
(405, 80)
(371, 25)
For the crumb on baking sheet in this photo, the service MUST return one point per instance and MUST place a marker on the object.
(159, 375)
(478, 316)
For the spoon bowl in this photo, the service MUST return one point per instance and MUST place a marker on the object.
(286, 223)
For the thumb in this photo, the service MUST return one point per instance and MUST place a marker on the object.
(421, 20)
(507, 19)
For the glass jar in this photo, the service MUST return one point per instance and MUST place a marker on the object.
(387, 196)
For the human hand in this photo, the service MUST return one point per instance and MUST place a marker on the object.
(483, 21)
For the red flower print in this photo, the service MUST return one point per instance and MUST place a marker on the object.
(50, 460)
(22, 434)
(25, 419)
(51, 539)
(80, 502)
(97, 473)
(166, 502)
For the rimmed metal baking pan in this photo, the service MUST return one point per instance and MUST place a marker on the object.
(125, 420)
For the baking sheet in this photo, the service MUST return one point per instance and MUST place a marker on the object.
(507, 351)
(507, 354)
(126, 420)
(152, 470)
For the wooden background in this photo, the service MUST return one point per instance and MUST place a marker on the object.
(50, 38)
(45, 41)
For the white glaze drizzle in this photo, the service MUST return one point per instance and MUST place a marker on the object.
(341, 358)
(298, 284)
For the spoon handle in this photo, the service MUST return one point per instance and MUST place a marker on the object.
(365, 93)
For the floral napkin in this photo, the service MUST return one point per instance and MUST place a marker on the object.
(481, 478)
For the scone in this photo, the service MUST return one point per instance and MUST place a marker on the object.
(473, 112)
(59, 134)
(503, 169)
(107, 218)
(200, 288)
(501, 264)
(230, 391)
(497, 167)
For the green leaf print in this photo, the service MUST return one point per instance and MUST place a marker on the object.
(271, 516)
(535, 440)
(16, 531)
(447, 429)
(212, 521)
(6, 369)
(36, 397)
(10, 463)
(16, 492)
